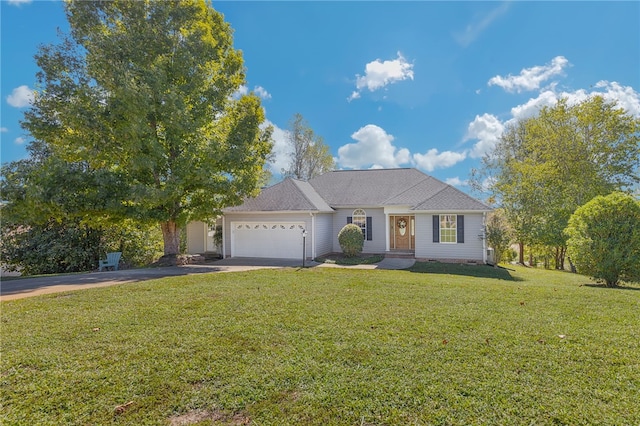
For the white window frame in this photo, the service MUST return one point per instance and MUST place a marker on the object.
(451, 231)
(359, 217)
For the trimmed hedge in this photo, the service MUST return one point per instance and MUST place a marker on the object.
(351, 240)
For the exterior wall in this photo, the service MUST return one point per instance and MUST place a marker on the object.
(196, 237)
(324, 234)
(470, 250)
(378, 241)
(274, 217)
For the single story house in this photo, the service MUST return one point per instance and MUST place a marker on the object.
(401, 211)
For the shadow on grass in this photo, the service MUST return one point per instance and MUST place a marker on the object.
(478, 271)
(604, 287)
(341, 259)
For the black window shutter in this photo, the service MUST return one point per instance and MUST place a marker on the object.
(369, 228)
(436, 228)
(349, 219)
(460, 228)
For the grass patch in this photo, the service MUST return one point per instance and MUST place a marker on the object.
(325, 346)
(341, 259)
(478, 271)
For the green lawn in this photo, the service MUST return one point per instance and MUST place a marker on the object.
(465, 345)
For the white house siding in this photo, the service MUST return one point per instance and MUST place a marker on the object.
(470, 250)
(324, 234)
(276, 218)
(378, 241)
(196, 237)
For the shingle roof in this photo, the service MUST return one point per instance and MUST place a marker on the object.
(449, 199)
(369, 187)
(288, 195)
(362, 188)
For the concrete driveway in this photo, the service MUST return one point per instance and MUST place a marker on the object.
(27, 287)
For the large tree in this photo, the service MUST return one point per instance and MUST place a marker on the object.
(309, 155)
(147, 90)
(546, 166)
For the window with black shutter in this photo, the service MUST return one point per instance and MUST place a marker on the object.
(448, 228)
(365, 223)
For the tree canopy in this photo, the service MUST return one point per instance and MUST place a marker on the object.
(53, 217)
(604, 238)
(310, 156)
(546, 166)
(147, 91)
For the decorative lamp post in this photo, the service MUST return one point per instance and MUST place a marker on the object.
(304, 246)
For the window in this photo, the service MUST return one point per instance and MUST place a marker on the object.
(448, 228)
(360, 218)
(365, 223)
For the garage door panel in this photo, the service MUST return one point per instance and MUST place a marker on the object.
(267, 239)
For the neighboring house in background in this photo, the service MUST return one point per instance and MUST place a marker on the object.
(400, 211)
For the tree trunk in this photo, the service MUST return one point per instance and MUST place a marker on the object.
(560, 254)
(171, 237)
(521, 253)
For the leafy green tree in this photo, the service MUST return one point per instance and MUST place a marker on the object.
(544, 167)
(53, 221)
(499, 233)
(310, 156)
(351, 240)
(604, 238)
(146, 90)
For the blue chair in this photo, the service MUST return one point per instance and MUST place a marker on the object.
(113, 260)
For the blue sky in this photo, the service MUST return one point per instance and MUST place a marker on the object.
(429, 85)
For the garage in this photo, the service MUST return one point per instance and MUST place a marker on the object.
(281, 240)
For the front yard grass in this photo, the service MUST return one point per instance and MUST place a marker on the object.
(340, 259)
(324, 346)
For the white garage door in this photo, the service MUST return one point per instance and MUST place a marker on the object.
(267, 239)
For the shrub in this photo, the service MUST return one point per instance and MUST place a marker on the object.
(604, 238)
(71, 246)
(351, 240)
(140, 243)
(499, 234)
(51, 248)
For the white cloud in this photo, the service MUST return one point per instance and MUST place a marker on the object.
(433, 159)
(19, 141)
(18, 2)
(21, 96)
(372, 149)
(244, 90)
(533, 105)
(487, 129)
(241, 91)
(379, 74)
(456, 181)
(262, 92)
(530, 78)
(3, 130)
(627, 97)
(354, 95)
(474, 29)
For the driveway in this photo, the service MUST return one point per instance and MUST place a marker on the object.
(27, 287)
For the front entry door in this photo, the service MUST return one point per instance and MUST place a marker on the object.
(402, 232)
